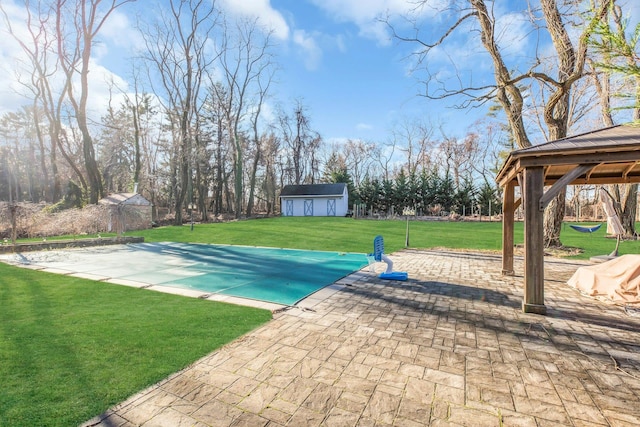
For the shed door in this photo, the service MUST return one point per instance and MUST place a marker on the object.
(331, 207)
(308, 207)
(288, 211)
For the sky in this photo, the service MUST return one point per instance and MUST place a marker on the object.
(335, 56)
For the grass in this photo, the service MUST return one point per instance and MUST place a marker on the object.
(333, 234)
(71, 348)
(349, 235)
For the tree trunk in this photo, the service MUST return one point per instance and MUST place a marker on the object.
(202, 187)
(136, 142)
(252, 179)
(571, 61)
(238, 174)
(627, 195)
(553, 216)
(13, 211)
(181, 190)
(508, 93)
(46, 193)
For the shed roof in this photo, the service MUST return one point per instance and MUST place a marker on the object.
(614, 153)
(125, 199)
(313, 190)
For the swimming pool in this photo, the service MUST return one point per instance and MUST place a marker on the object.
(281, 276)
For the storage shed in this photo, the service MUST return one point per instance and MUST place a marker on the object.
(127, 211)
(314, 200)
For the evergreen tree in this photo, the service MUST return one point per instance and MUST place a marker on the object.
(377, 203)
(428, 185)
(446, 195)
(367, 193)
(401, 196)
(465, 196)
(386, 195)
(488, 196)
(342, 176)
(414, 191)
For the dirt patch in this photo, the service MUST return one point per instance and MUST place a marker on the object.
(561, 252)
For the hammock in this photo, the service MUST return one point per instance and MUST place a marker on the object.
(583, 229)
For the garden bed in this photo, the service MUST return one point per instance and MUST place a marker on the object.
(61, 244)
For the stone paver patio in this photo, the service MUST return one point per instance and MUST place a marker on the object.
(450, 346)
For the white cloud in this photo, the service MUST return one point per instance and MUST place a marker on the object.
(512, 33)
(104, 85)
(340, 43)
(16, 69)
(336, 141)
(365, 14)
(309, 47)
(364, 126)
(262, 10)
(519, 40)
(120, 32)
(13, 61)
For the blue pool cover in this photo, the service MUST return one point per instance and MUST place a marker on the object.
(281, 276)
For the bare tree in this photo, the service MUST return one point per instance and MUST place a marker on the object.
(39, 50)
(177, 50)
(459, 156)
(358, 160)
(415, 139)
(270, 150)
(257, 140)
(245, 62)
(78, 23)
(569, 61)
(617, 56)
(214, 124)
(383, 155)
(493, 142)
(301, 143)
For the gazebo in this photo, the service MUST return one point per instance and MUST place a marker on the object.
(605, 156)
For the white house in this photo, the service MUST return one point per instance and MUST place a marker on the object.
(314, 200)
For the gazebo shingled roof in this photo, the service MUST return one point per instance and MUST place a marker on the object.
(605, 156)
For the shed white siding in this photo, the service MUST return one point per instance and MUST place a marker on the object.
(315, 200)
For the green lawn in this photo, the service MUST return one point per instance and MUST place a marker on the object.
(71, 348)
(350, 235)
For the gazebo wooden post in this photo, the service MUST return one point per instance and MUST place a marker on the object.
(606, 156)
(533, 241)
(508, 213)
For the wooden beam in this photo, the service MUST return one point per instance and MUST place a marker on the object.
(629, 169)
(589, 173)
(590, 158)
(601, 180)
(517, 203)
(560, 184)
(508, 212)
(509, 174)
(533, 242)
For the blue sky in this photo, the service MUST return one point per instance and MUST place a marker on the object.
(356, 87)
(353, 77)
(334, 56)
